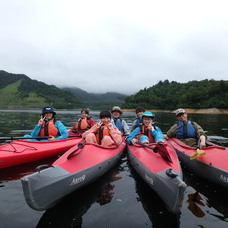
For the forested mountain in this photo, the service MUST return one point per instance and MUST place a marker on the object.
(18, 90)
(172, 95)
(98, 101)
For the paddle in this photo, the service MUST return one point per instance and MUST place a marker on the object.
(14, 138)
(197, 153)
(73, 153)
(159, 148)
(38, 137)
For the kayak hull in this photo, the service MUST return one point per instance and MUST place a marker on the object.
(44, 189)
(212, 166)
(163, 177)
(23, 151)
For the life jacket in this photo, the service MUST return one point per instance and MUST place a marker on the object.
(185, 130)
(118, 123)
(49, 128)
(101, 132)
(138, 122)
(147, 132)
(82, 124)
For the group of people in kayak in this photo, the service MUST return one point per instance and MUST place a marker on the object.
(111, 128)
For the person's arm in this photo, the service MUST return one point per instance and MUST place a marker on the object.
(199, 129)
(133, 125)
(126, 127)
(132, 136)
(36, 131)
(115, 134)
(93, 129)
(75, 126)
(157, 134)
(201, 135)
(62, 130)
(171, 133)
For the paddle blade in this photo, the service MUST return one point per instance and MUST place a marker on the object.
(197, 153)
(76, 151)
(162, 150)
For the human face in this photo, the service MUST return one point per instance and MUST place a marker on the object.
(182, 117)
(105, 120)
(116, 114)
(84, 115)
(139, 114)
(48, 115)
(147, 121)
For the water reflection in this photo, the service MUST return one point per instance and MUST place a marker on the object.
(194, 202)
(206, 197)
(17, 172)
(78, 208)
(159, 216)
(69, 212)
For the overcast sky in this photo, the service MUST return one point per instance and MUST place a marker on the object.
(119, 45)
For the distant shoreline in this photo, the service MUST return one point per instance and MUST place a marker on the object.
(188, 110)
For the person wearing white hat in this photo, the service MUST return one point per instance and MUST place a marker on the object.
(187, 131)
(120, 123)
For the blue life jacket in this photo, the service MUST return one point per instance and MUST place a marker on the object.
(185, 130)
(118, 123)
(137, 123)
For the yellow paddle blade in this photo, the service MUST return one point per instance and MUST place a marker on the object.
(197, 153)
(193, 155)
(200, 152)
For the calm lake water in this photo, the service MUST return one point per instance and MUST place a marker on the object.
(120, 198)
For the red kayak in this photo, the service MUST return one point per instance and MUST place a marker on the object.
(22, 151)
(212, 166)
(79, 166)
(159, 166)
(75, 133)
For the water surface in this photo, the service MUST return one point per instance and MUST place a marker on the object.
(120, 198)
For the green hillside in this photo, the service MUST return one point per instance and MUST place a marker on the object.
(171, 95)
(18, 90)
(98, 101)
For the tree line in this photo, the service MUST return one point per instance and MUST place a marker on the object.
(171, 95)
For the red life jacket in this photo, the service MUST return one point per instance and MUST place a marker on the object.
(82, 124)
(102, 131)
(147, 132)
(49, 128)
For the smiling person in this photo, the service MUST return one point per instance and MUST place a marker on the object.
(104, 132)
(146, 132)
(120, 123)
(48, 126)
(187, 131)
(138, 111)
(84, 123)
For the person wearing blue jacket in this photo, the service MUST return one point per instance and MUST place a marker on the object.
(48, 126)
(146, 132)
(139, 111)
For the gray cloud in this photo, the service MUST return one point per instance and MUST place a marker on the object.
(117, 46)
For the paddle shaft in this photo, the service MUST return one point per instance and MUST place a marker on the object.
(157, 149)
(14, 138)
(77, 150)
(38, 137)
